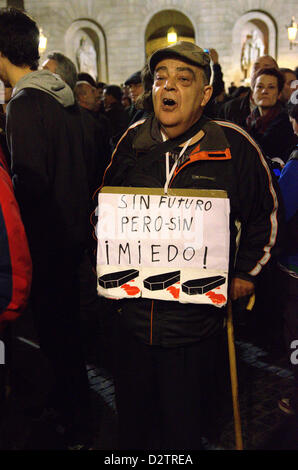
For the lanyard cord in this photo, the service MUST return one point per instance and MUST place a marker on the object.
(169, 173)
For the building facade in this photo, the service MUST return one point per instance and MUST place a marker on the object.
(112, 38)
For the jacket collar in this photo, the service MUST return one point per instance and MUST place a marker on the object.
(149, 135)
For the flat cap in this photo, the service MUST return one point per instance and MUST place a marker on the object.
(183, 50)
(134, 79)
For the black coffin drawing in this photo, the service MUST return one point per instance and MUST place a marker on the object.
(202, 285)
(117, 279)
(161, 281)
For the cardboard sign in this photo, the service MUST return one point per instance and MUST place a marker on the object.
(168, 247)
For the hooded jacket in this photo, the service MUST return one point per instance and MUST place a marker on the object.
(48, 82)
(46, 142)
(224, 157)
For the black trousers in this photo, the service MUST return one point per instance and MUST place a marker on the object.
(163, 394)
(55, 305)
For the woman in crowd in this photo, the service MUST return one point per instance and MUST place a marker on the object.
(269, 123)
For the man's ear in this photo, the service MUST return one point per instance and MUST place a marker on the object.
(207, 93)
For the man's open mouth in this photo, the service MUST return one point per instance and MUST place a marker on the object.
(168, 102)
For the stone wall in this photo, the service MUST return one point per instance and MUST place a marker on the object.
(123, 25)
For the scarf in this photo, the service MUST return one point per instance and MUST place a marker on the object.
(260, 123)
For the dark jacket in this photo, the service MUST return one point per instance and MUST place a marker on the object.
(45, 139)
(236, 110)
(97, 147)
(118, 118)
(278, 138)
(225, 158)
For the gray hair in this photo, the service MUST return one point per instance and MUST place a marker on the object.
(66, 69)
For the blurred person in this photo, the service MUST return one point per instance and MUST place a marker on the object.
(240, 92)
(58, 63)
(97, 152)
(268, 123)
(49, 174)
(125, 100)
(237, 110)
(135, 88)
(95, 130)
(86, 77)
(115, 112)
(97, 90)
(3, 106)
(144, 101)
(263, 62)
(86, 96)
(219, 96)
(289, 86)
(232, 88)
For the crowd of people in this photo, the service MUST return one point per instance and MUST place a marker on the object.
(62, 137)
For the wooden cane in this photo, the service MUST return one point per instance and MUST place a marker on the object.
(234, 379)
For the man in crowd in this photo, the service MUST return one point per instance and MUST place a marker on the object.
(96, 137)
(114, 110)
(61, 65)
(218, 95)
(87, 97)
(99, 95)
(291, 84)
(49, 174)
(97, 154)
(136, 88)
(166, 352)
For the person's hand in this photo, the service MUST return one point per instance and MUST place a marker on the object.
(241, 288)
(213, 55)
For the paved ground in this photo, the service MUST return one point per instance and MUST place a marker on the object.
(263, 379)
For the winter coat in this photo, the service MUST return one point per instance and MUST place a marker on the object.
(225, 158)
